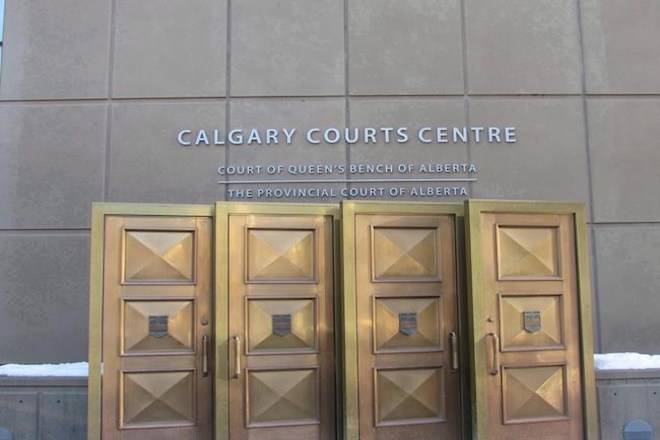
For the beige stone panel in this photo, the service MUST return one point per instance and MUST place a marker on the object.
(169, 48)
(287, 47)
(414, 114)
(55, 49)
(147, 164)
(621, 49)
(549, 159)
(292, 113)
(44, 297)
(628, 276)
(389, 56)
(51, 163)
(518, 46)
(623, 138)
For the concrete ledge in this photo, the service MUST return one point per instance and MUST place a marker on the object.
(627, 374)
(36, 408)
(55, 408)
(625, 395)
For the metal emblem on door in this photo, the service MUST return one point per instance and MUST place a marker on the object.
(532, 321)
(158, 325)
(281, 324)
(408, 323)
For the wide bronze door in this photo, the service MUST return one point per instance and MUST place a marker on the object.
(281, 347)
(527, 326)
(156, 381)
(406, 306)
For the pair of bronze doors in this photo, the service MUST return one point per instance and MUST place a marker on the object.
(281, 321)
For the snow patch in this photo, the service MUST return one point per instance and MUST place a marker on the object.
(627, 361)
(607, 361)
(75, 369)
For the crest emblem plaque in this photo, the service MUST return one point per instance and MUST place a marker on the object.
(408, 323)
(158, 325)
(281, 325)
(532, 321)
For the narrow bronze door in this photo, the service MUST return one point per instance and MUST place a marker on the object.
(156, 328)
(525, 311)
(282, 382)
(406, 297)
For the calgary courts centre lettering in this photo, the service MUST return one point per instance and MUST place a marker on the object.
(313, 180)
(332, 135)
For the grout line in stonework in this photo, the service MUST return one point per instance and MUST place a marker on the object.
(465, 96)
(347, 107)
(227, 90)
(108, 128)
(625, 223)
(193, 99)
(587, 139)
(45, 231)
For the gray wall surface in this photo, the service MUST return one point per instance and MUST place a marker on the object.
(93, 91)
(46, 408)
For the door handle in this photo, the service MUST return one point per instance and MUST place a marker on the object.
(494, 361)
(205, 355)
(237, 357)
(453, 342)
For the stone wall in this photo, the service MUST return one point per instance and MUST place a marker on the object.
(92, 93)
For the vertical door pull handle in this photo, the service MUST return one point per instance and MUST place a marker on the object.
(453, 342)
(494, 362)
(237, 357)
(205, 355)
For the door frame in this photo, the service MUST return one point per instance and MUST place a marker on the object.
(473, 210)
(467, 240)
(97, 251)
(350, 424)
(223, 210)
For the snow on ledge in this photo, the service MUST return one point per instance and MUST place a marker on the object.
(608, 361)
(626, 361)
(76, 369)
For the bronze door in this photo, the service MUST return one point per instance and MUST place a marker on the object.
(407, 342)
(281, 350)
(525, 307)
(156, 328)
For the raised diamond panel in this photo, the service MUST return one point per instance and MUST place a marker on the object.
(283, 397)
(158, 326)
(518, 333)
(404, 254)
(281, 325)
(527, 252)
(408, 324)
(153, 399)
(280, 255)
(409, 396)
(158, 256)
(534, 393)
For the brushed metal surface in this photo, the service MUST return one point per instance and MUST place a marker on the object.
(281, 278)
(406, 295)
(157, 294)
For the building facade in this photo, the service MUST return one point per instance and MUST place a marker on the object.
(171, 101)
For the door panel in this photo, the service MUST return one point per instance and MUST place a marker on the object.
(526, 318)
(281, 327)
(406, 310)
(156, 328)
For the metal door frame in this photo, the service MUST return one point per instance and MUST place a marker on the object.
(473, 210)
(349, 344)
(97, 239)
(221, 270)
(467, 224)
